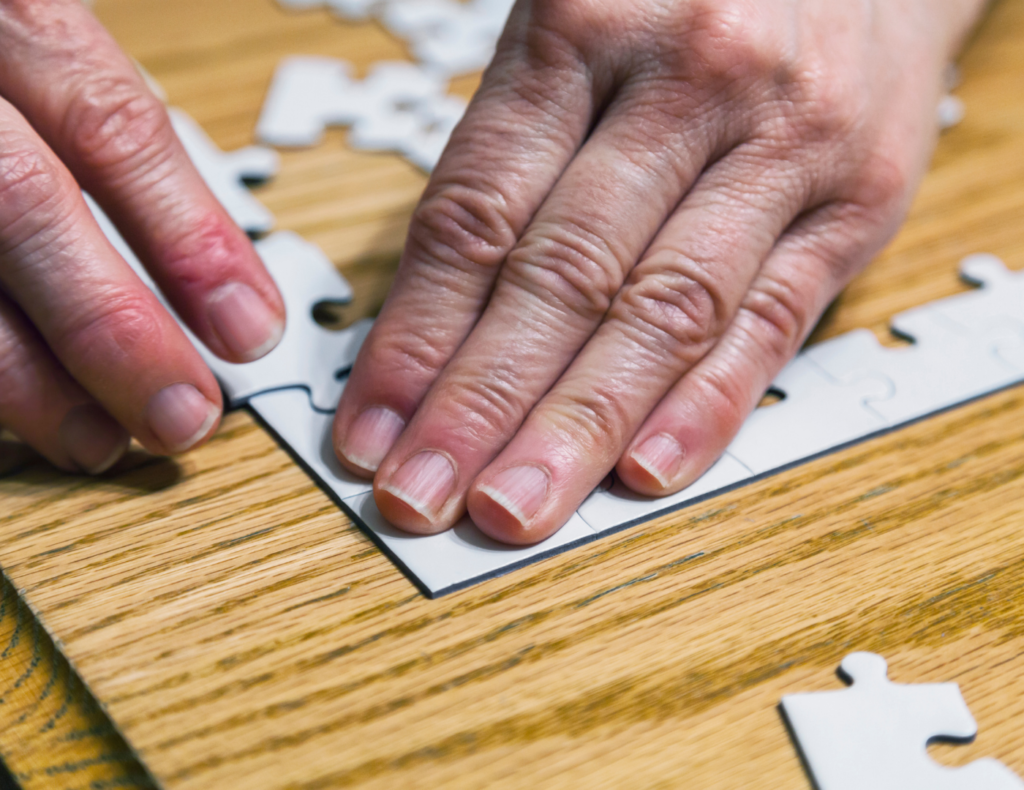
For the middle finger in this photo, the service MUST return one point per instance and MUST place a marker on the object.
(552, 293)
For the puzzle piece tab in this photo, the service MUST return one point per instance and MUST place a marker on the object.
(963, 347)
(875, 734)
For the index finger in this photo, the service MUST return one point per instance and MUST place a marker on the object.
(97, 114)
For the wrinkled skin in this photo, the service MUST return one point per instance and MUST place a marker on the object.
(88, 356)
(644, 212)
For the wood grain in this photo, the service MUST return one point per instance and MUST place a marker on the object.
(241, 633)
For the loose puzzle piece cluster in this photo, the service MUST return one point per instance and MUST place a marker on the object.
(874, 735)
(398, 107)
(448, 36)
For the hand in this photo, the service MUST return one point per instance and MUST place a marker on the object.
(641, 217)
(87, 354)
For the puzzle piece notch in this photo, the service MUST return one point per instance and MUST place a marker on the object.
(307, 356)
(962, 347)
(398, 107)
(875, 734)
(226, 172)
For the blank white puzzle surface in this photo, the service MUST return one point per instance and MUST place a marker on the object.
(874, 735)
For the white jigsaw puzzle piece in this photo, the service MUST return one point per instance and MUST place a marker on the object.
(440, 563)
(963, 347)
(307, 94)
(875, 734)
(993, 315)
(817, 414)
(307, 356)
(226, 173)
(449, 36)
(399, 107)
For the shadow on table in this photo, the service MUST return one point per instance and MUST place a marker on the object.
(137, 471)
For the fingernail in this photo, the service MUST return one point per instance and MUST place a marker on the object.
(521, 490)
(424, 483)
(94, 440)
(180, 416)
(243, 321)
(660, 456)
(372, 436)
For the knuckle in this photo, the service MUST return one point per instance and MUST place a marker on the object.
(596, 418)
(726, 397)
(827, 103)
(410, 355)
(680, 311)
(113, 121)
(780, 316)
(727, 40)
(29, 182)
(462, 227)
(489, 407)
(569, 266)
(885, 183)
(122, 320)
(204, 250)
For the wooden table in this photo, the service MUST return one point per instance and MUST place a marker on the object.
(238, 631)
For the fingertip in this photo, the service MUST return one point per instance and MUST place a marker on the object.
(93, 439)
(369, 438)
(652, 466)
(417, 496)
(180, 418)
(493, 516)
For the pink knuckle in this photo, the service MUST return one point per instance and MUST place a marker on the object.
(726, 396)
(596, 418)
(123, 319)
(205, 250)
(675, 307)
(408, 354)
(115, 122)
(885, 183)
(462, 227)
(29, 181)
(489, 407)
(569, 266)
(780, 314)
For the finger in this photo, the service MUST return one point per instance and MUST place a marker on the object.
(674, 309)
(522, 128)
(95, 111)
(42, 405)
(107, 329)
(696, 421)
(555, 289)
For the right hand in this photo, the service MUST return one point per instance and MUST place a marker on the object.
(88, 357)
